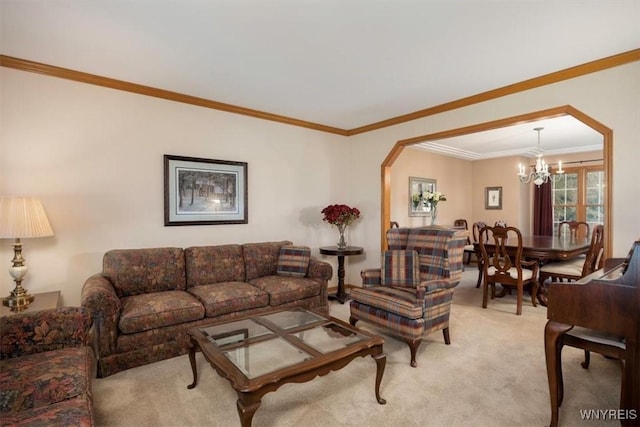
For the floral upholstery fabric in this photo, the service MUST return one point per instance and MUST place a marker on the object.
(293, 260)
(46, 368)
(42, 379)
(28, 333)
(213, 264)
(139, 271)
(133, 328)
(283, 289)
(158, 309)
(261, 259)
(76, 412)
(222, 298)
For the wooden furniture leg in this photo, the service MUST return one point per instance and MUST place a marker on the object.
(381, 362)
(553, 333)
(194, 366)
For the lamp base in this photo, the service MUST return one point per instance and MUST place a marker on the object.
(19, 300)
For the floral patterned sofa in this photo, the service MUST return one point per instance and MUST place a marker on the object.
(145, 300)
(46, 368)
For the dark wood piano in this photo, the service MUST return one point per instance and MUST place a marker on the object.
(607, 301)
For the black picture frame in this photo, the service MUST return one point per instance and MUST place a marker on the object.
(493, 198)
(201, 191)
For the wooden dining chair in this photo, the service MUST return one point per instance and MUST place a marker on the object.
(468, 248)
(575, 269)
(475, 233)
(502, 263)
(576, 229)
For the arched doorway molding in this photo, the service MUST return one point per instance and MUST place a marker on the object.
(607, 150)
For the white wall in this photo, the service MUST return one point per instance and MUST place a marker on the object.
(95, 158)
(612, 97)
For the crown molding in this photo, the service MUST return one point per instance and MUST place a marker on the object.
(78, 76)
(568, 73)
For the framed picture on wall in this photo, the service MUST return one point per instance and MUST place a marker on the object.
(493, 198)
(418, 187)
(204, 191)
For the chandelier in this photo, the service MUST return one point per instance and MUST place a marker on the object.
(541, 173)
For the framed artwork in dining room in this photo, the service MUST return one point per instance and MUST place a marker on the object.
(204, 191)
(493, 198)
(418, 187)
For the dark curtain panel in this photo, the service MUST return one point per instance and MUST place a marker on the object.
(542, 210)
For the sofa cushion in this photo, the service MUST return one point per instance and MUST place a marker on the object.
(42, 379)
(261, 259)
(70, 412)
(212, 264)
(157, 309)
(139, 271)
(398, 300)
(400, 268)
(229, 297)
(284, 289)
(293, 260)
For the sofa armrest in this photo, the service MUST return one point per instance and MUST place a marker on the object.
(319, 270)
(371, 277)
(39, 331)
(100, 300)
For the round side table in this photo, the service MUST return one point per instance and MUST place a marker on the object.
(341, 295)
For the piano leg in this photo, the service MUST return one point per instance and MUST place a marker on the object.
(553, 333)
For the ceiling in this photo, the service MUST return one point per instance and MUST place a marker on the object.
(339, 63)
(559, 135)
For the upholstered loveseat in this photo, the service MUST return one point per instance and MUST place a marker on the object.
(46, 368)
(145, 300)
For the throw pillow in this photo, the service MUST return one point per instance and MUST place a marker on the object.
(294, 260)
(400, 268)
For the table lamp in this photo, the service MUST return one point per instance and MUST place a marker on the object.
(21, 218)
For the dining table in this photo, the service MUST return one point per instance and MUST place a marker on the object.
(542, 249)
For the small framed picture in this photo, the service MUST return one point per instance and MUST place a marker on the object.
(204, 191)
(493, 198)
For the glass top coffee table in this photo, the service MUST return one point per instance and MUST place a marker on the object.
(259, 354)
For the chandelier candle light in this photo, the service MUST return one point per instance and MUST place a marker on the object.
(541, 173)
(341, 216)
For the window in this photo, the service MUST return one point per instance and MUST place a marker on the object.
(578, 195)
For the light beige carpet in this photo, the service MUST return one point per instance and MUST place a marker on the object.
(492, 374)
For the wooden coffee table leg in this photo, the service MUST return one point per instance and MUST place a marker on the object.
(381, 361)
(192, 360)
(247, 405)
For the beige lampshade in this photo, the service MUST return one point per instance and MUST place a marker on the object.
(23, 217)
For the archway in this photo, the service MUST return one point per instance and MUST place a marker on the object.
(607, 136)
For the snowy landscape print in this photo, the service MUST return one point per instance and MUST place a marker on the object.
(206, 191)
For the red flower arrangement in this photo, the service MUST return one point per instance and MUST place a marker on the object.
(340, 215)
